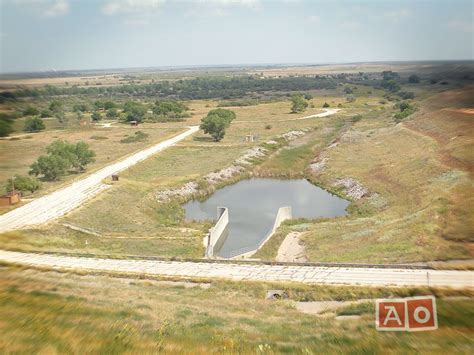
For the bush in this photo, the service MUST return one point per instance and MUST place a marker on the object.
(134, 111)
(96, 116)
(6, 123)
(350, 98)
(299, 104)
(45, 113)
(34, 124)
(406, 95)
(413, 79)
(356, 118)
(268, 126)
(138, 137)
(22, 183)
(30, 111)
(326, 105)
(237, 103)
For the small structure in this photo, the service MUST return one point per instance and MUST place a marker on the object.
(10, 198)
(133, 123)
(250, 137)
(115, 177)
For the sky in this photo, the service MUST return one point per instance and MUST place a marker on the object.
(46, 35)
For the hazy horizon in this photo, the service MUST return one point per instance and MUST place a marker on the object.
(68, 35)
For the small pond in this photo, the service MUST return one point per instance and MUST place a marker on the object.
(253, 205)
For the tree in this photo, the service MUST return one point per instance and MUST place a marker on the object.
(34, 124)
(390, 85)
(215, 126)
(83, 155)
(62, 118)
(50, 166)
(227, 115)
(31, 111)
(166, 108)
(308, 96)
(134, 111)
(45, 113)
(348, 90)
(56, 106)
(61, 157)
(299, 104)
(112, 113)
(96, 116)
(413, 79)
(22, 183)
(80, 108)
(6, 123)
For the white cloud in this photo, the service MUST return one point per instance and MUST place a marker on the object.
(254, 4)
(397, 15)
(350, 25)
(48, 8)
(463, 26)
(315, 19)
(131, 6)
(57, 8)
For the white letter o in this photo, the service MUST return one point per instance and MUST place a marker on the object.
(417, 312)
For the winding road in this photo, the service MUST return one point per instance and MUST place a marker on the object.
(358, 276)
(60, 202)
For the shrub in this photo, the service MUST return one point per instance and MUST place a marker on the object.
(30, 111)
(413, 79)
(268, 126)
(22, 183)
(299, 104)
(34, 124)
(326, 105)
(96, 116)
(138, 137)
(6, 123)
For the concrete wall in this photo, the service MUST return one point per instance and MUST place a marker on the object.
(283, 214)
(218, 233)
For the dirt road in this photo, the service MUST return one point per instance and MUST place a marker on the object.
(358, 276)
(66, 199)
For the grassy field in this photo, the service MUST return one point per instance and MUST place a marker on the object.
(142, 225)
(50, 312)
(419, 172)
(18, 154)
(422, 173)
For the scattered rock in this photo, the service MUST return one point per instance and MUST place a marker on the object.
(291, 135)
(256, 152)
(187, 189)
(276, 294)
(271, 142)
(223, 174)
(318, 165)
(352, 187)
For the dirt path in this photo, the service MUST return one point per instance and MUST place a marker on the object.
(291, 250)
(60, 202)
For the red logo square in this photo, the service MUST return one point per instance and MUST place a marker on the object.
(390, 314)
(422, 313)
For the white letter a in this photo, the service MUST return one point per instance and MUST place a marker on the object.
(392, 315)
